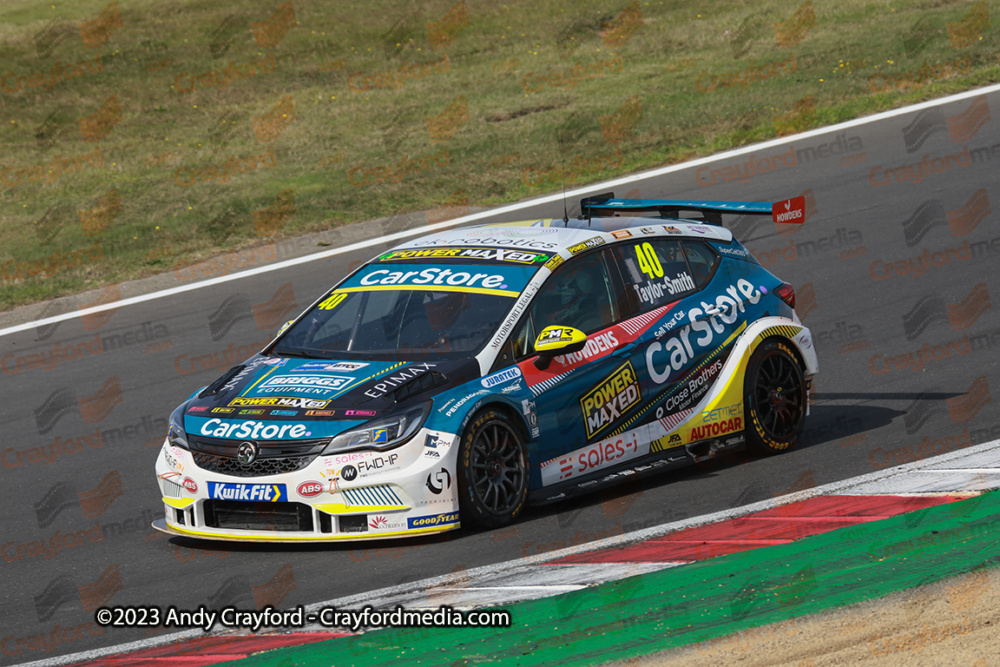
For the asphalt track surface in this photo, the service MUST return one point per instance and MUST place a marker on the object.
(872, 410)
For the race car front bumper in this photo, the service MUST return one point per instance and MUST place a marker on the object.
(360, 495)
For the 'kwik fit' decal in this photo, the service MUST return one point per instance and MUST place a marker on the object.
(269, 493)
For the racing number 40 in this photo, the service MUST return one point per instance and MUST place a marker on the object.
(648, 261)
(332, 302)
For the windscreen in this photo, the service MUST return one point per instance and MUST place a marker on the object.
(391, 310)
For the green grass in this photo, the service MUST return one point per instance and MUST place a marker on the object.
(497, 153)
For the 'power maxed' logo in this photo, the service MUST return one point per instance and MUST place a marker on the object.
(610, 399)
(497, 254)
(269, 493)
(278, 402)
(586, 245)
(435, 520)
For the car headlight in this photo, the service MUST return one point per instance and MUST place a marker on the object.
(176, 435)
(381, 434)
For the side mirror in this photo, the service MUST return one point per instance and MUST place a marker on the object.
(285, 326)
(553, 341)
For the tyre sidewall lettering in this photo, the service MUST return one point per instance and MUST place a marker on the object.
(762, 352)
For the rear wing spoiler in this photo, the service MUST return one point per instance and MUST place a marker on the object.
(605, 205)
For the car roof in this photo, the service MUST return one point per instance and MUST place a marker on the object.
(554, 235)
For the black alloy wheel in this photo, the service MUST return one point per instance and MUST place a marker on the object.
(774, 398)
(493, 470)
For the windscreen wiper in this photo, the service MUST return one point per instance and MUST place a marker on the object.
(300, 355)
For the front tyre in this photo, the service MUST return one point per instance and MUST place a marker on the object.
(492, 471)
(774, 398)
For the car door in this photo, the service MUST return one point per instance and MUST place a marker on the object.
(680, 353)
(581, 396)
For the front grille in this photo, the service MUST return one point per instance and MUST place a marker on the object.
(255, 515)
(275, 456)
(258, 468)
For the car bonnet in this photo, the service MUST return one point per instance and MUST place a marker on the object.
(325, 396)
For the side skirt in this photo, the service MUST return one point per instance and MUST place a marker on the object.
(651, 464)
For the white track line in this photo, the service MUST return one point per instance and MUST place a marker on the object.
(510, 208)
(385, 596)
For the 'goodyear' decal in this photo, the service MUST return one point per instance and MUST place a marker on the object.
(433, 520)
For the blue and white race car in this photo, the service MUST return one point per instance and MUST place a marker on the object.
(464, 374)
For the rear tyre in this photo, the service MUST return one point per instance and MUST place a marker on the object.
(492, 471)
(774, 395)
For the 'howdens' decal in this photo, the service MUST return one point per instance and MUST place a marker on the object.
(599, 345)
(596, 344)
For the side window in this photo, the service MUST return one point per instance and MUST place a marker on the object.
(581, 294)
(702, 261)
(657, 271)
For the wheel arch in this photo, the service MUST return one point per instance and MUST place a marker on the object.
(497, 402)
(471, 503)
(781, 328)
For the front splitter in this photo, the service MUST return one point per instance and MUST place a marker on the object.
(162, 526)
